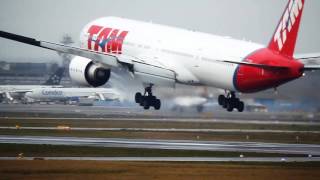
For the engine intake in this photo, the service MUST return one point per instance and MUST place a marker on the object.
(85, 72)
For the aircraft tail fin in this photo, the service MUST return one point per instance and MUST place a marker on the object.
(285, 36)
(56, 77)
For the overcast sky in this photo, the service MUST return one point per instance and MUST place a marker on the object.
(243, 19)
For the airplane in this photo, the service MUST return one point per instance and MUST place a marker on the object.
(72, 94)
(160, 55)
(11, 92)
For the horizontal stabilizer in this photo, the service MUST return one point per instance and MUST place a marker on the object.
(264, 66)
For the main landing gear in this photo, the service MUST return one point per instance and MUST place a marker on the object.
(147, 100)
(231, 102)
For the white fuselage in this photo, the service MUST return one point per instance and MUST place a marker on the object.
(12, 92)
(23, 88)
(191, 55)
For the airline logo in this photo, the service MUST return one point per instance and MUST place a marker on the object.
(106, 39)
(288, 21)
(52, 93)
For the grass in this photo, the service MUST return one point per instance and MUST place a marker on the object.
(156, 170)
(12, 150)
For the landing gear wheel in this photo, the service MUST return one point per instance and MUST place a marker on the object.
(231, 102)
(147, 100)
(225, 104)
(146, 104)
(221, 100)
(229, 106)
(142, 99)
(138, 97)
(152, 100)
(157, 104)
(240, 106)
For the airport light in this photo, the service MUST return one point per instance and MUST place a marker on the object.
(20, 156)
(248, 137)
(63, 127)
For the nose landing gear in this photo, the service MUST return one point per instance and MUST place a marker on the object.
(147, 100)
(231, 102)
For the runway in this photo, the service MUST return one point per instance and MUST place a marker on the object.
(166, 119)
(162, 130)
(174, 159)
(302, 149)
(56, 110)
(132, 113)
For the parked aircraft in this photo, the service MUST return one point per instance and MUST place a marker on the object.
(11, 92)
(72, 94)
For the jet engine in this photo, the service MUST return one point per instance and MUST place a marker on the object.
(85, 72)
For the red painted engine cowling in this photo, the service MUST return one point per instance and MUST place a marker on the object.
(250, 79)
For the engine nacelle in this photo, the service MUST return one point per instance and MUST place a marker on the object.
(85, 72)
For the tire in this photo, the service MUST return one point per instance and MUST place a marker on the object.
(145, 104)
(137, 97)
(229, 106)
(226, 102)
(157, 104)
(221, 100)
(142, 99)
(240, 106)
(152, 100)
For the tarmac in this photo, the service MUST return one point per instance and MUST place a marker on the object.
(225, 146)
(133, 112)
(79, 113)
(175, 159)
(162, 130)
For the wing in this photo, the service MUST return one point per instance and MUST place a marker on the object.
(149, 72)
(107, 59)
